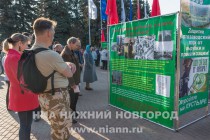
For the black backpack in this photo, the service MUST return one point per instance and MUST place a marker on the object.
(28, 74)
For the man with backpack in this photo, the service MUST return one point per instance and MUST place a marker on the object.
(54, 100)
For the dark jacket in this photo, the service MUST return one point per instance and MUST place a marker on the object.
(69, 56)
(79, 54)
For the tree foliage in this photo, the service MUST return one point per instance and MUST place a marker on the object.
(7, 18)
(71, 16)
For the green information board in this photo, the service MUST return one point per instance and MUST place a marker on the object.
(142, 67)
(104, 45)
(194, 57)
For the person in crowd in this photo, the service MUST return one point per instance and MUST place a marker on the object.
(53, 45)
(82, 51)
(30, 36)
(94, 54)
(5, 50)
(98, 57)
(68, 55)
(47, 62)
(104, 58)
(37, 110)
(100, 63)
(79, 54)
(58, 48)
(25, 103)
(89, 69)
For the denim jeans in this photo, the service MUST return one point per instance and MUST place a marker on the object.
(25, 118)
(7, 96)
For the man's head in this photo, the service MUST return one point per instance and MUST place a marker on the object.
(74, 43)
(92, 48)
(44, 30)
(58, 48)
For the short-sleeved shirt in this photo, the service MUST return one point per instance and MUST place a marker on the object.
(48, 61)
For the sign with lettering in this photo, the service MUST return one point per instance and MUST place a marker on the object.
(142, 67)
(194, 57)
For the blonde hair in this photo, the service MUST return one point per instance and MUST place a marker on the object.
(5, 46)
(15, 38)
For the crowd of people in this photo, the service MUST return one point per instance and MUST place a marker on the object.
(66, 62)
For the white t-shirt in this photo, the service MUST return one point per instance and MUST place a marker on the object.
(94, 54)
(3, 61)
(104, 54)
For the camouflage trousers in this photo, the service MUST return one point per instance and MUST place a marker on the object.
(55, 106)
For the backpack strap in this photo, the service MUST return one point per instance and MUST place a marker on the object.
(37, 50)
(52, 81)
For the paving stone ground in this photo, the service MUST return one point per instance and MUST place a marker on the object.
(97, 100)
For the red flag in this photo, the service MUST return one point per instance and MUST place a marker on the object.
(138, 10)
(102, 36)
(111, 11)
(155, 8)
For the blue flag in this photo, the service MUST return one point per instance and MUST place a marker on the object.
(103, 9)
(131, 11)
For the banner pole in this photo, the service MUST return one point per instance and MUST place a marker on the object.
(101, 17)
(89, 22)
(176, 104)
(108, 62)
(207, 110)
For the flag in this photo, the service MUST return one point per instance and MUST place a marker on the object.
(103, 9)
(138, 10)
(111, 11)
(131, 11)
(155, 8)
(122, 11)
(102, 36)
(92, 9)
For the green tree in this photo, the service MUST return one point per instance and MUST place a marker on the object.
(79, 20)
(71, 16)
(8, 23)
(16, 16)
(26, 12)
(57, 10)
(41, 5)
